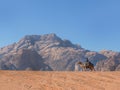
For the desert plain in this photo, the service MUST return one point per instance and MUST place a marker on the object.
(59, 80)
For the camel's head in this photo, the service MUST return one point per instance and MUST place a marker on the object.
(79, 62)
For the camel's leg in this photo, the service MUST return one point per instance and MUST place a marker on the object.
(84, 68)
(92, 69)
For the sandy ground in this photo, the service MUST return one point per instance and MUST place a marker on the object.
(30, 80)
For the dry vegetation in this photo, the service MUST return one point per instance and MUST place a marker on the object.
(31, 80)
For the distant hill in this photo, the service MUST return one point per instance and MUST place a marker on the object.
(50, 52)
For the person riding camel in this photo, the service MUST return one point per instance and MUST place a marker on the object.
(87, 62)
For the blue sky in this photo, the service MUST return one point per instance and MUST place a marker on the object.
(94, 24)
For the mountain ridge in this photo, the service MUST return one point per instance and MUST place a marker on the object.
(55, 54)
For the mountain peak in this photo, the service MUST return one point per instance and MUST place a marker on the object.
(46, 37)
(50, 37)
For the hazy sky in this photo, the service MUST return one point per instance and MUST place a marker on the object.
(94, 24)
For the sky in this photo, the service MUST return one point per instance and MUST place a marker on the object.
(94, 24)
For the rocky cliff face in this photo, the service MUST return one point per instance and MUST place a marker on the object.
(49, 52)
(112, 63)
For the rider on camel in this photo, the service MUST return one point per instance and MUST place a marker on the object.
(87, 62)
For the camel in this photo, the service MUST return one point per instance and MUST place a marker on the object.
(87, 65)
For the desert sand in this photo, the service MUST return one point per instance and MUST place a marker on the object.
(38, 80)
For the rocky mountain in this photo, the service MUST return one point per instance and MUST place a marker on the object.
(112, 63)
(49, 52)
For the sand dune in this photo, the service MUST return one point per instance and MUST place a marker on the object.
(33, 80)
